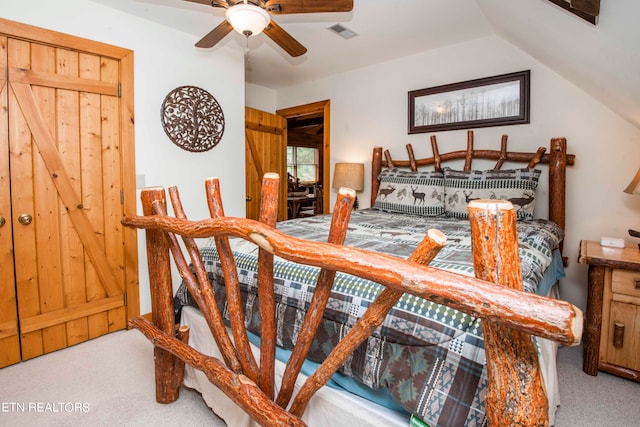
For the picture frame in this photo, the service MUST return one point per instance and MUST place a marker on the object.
(491, 101)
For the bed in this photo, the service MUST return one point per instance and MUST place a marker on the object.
(424, 362)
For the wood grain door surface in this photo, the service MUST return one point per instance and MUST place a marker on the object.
(9, 333)
(64, 174)
(266, 151)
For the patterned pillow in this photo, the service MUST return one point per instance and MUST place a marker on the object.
(515, 185)
(418, 193)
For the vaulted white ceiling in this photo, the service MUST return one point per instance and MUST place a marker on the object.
(603, 60)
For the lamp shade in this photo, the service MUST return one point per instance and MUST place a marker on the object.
(349, 175)
(247, 19)
(634, 185)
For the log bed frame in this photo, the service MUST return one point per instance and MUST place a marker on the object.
(509, 314)
(557, 159)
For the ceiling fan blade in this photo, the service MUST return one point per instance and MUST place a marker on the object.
(213, 3)
(284, 39)
(281, 7)
(215, 35)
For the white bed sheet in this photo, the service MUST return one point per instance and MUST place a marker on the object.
(329, 407)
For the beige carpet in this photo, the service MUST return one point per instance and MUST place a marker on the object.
(601, 401)
(109, 381)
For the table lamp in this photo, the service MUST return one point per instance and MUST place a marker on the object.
(349, 175)
(634, 188)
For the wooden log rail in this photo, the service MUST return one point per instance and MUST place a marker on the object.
(515, 390)
(502, 155)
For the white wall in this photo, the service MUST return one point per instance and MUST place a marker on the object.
(163, 59)
(260, 98)
(603, 59)
(369, 108)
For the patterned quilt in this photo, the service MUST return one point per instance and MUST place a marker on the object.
(428, 357)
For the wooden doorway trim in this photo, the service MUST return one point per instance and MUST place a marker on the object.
(323, 107)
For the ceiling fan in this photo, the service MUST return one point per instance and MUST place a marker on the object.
(251, 17)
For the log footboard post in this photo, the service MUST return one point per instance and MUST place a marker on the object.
(515, 391)
(376, 168)
(167, 390)
(182, 334)
(266, 295)
(557, 180)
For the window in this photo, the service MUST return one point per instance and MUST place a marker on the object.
(302, 163)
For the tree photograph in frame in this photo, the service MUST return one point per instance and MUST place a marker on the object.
(491, 101)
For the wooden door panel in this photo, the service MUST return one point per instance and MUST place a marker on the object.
(253, 173)
(72, 203)
(78, 239)
(112, 178)
(9, 338)
(46, 222)
(92, 190)
(265, 151)
(70, 148)
(22, 175)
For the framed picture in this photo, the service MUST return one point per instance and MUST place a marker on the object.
(491, 101)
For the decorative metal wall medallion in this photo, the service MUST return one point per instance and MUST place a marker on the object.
(192, 118)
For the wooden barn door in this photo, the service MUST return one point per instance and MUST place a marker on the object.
(9, 333)
(266, 151)
(69, 169)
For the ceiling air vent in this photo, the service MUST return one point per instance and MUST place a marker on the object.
(343, 32)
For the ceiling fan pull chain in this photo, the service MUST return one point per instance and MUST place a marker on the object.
(246, 55)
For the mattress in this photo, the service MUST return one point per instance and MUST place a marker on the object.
(330, 406)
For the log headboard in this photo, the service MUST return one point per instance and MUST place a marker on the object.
(556, 157)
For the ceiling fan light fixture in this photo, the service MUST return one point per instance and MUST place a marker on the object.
(247, 19)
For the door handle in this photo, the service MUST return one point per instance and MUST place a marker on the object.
(248, 199)
(618, 335)
(25, 219)
(2, 221)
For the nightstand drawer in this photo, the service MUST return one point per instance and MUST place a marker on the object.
(626, 282)
(624, 330)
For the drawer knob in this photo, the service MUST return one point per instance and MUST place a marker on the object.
(637, 284)
(618, 335)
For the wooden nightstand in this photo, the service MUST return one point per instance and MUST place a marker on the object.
(611, 337)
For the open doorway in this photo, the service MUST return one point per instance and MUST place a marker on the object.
(308, 158)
